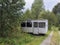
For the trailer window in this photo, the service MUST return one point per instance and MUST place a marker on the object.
(29, 24)
(35, 24)
(42, 24)
(23, 24)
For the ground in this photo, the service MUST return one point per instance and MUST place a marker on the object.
(47, 40)
(53, 38)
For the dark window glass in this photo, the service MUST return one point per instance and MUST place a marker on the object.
(35, 24)
(42, 24)
(29, 24)
(23, 24)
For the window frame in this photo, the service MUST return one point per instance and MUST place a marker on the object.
(42, 24)
(35, 24)
(29, 24)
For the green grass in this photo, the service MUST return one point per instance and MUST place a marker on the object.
(38, 39)
(56, 37)
(23, 39)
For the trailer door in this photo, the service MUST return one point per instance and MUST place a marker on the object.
(35, 28)
(42, 27)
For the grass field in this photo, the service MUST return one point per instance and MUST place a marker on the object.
(38, 39)
(24, 39)
(56, 37)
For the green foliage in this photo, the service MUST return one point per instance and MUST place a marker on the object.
(27, 15)
(56, 37)
(22, 40)
(37, 7)
(10, 11)
(52, 19)
(56, 11)
(38, 39)
(59, 27)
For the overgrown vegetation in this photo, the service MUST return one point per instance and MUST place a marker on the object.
(23, 39)
(11, 16)
(10, 12)
(56, 11)
(56, 37)
(38, 39)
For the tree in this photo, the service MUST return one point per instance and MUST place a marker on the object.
(56, 11)
(37, 7)
(27, 15)
(10, 11)
(52, 19)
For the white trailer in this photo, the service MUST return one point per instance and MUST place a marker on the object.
(35, 26)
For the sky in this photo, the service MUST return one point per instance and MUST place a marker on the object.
(28, 4)
(48, 4)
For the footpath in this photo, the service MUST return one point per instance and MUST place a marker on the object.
(47, 40)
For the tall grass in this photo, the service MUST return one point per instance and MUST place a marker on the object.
(23, 39)
(38, 39)
(56, 37)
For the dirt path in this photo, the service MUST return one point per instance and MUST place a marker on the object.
(47, 40)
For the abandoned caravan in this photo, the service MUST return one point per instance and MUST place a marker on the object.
(35, 26)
